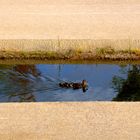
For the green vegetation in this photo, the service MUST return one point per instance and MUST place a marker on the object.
(128, 89)
(70, 49)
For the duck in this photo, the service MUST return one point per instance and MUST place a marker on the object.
(64, 85)
(73, 85)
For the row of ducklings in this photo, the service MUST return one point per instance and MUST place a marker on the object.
(73, 85)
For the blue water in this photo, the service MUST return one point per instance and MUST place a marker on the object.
(40, 82)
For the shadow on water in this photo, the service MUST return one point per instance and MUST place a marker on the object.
(128, 89)
(31, 83)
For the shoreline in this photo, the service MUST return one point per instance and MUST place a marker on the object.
(49, 56)
(33, 61)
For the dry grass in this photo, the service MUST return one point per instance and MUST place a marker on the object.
(86, 49)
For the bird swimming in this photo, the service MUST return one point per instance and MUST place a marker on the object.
(83, 85)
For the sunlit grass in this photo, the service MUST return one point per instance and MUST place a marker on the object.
(61, 48)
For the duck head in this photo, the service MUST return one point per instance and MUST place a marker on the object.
(84, 85)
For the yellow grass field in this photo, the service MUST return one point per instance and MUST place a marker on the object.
(64, 45)
(127, 49)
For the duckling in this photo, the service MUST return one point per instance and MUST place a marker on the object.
(61, 84)
(66, 85)
(70, 85)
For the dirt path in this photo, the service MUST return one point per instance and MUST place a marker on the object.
(77, 121)
(93, 19)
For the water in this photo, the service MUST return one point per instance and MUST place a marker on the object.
(40, 82)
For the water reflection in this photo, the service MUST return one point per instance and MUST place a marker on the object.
(30, 83)
(128, 89)
(19, 83)
(22, 77)
(27, 69)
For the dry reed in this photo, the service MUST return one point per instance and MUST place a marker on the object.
(101, 48)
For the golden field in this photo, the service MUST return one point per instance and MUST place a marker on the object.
(64, 45)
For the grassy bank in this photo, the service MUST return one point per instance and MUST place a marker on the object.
(59, 49)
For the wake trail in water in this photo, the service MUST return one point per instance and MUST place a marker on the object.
(14, 83)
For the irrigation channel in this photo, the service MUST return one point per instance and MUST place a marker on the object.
(40, 82)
